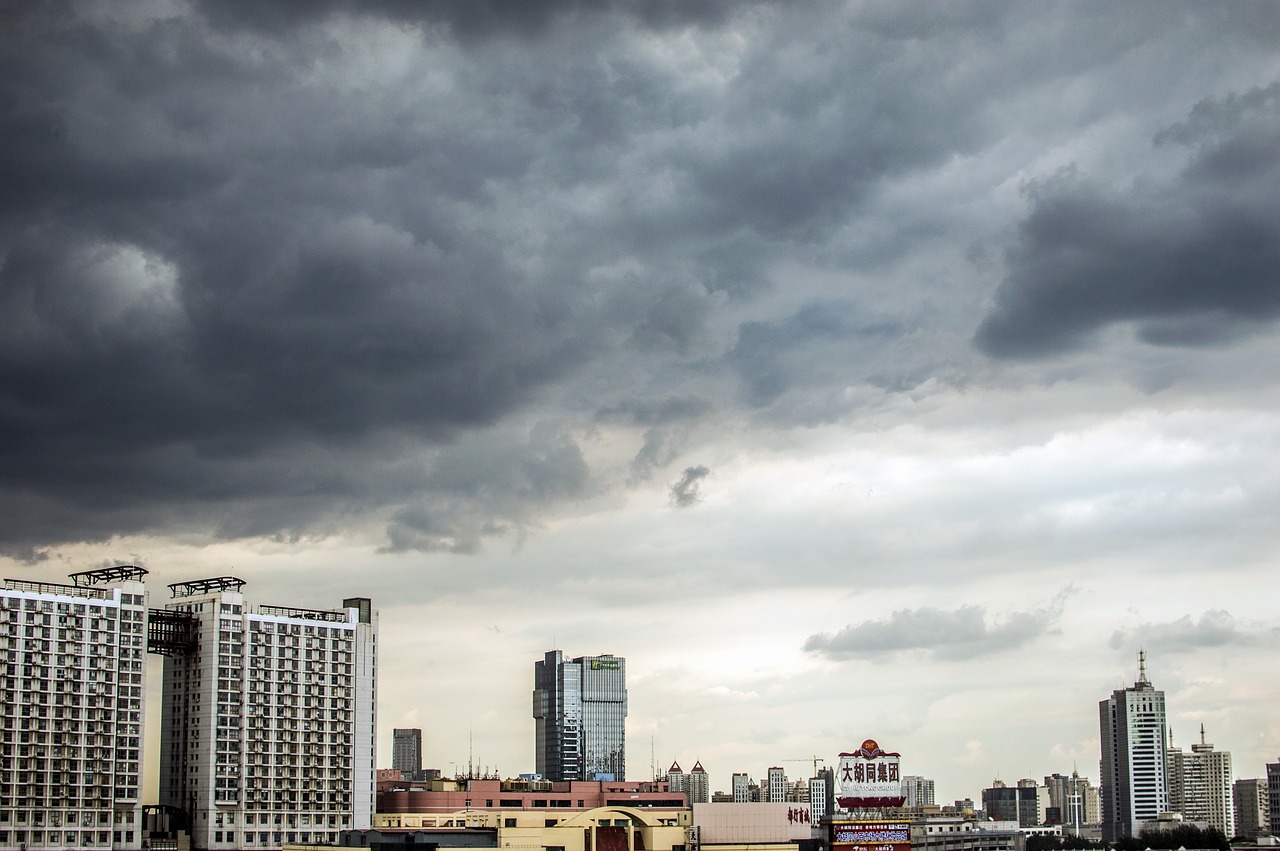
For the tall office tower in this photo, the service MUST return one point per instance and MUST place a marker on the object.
(406, 751)
(72, 715)
(917, 790)
(741, 788)
(777, 785)
(267, 719)
(580, 715)
(1249, 797)
(1134, 781)
(1200, 785)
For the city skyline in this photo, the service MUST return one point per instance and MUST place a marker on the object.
(853, 369)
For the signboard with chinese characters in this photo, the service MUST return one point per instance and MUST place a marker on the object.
(606, 665)
(870, 836)
(868, 778)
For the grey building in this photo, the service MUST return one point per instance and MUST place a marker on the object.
(1273, 794)
(1253, 816)
(406, 751)
(1134, 778)
(580, 715)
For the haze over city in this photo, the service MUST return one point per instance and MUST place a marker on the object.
(855, 370)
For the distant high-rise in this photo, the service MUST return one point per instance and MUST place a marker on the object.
(1200, 785)
(1134, 780)
(1020, 803)
(917, 790)
(822, 794)
(697, 785)
(406, 751)
(580, 715)
(1273, 794)
(741, 788)
(777, 785)
(1074, 800)
(1253, 817)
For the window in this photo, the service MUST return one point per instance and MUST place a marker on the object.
(508, 822)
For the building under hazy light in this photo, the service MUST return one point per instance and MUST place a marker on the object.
(1132, 728)
(1200, 785)
(406, 751)
(580, 715)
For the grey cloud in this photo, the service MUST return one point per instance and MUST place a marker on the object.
(1194, 262)
(263, 266)
(1216, 628)
(957, 634)
(685, 492)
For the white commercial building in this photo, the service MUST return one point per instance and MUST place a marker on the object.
(72, 724)
(268, 719)
(1132, 730)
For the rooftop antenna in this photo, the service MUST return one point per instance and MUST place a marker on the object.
(1142, 669)
(471, 742)
(1202, 732)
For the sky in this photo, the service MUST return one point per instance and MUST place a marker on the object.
(855, 370)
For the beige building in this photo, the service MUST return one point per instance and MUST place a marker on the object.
(608, 828)
(1200, 785)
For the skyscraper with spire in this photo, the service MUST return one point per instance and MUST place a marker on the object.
(1135, 786)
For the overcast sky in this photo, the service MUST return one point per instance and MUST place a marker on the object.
(853, 369)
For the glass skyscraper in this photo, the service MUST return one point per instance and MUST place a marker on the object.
(580, 714)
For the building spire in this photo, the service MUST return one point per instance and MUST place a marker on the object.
(1142, 669)
(1202, 732)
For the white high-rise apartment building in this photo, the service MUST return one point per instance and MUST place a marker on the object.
(268, 719)
(1200, 785)
(580, 717)
(917, 791)
(1132, 729)
(72, 721)
(741, 788)
(777, 785)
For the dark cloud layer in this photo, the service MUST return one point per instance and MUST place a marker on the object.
(1193, 262)
(285, 269)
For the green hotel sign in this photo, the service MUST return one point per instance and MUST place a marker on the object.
(606, 665)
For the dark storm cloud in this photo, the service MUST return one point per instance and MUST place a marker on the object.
(1192, 262)
(685, 492)
(1215, 628)
(279, 269)
(465, 18)
(958, 634)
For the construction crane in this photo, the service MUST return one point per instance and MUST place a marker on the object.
(815, 759)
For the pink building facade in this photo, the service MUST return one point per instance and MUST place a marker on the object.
(450, 796)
